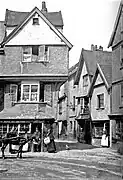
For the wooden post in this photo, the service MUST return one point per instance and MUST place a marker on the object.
(110, 133)
(42, 138)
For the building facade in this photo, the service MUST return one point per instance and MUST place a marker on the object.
(67, 107)
(34, 59)
(116, 44)
(83, 80)
(100, 103)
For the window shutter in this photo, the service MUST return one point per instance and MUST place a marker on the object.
(48, 93)
(41, 53)
(13, 93)
(27, 51)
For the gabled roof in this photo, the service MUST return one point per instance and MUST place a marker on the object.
(116, 24)
(2, 31)
(91, 58)
(105, 72)
(73, 69)
(14, 18)
(27, 18)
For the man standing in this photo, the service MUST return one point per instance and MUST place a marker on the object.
(37, 139)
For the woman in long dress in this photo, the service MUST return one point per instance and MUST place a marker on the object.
(51, 147)
(104, 140)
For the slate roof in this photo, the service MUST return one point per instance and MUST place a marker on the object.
(73, 69)
(116, 24)
(27, 18)
(16, 113)
(2, 30)
(107, 72)
(91, 58)
(14, 18)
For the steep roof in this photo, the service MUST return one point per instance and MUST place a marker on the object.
(116, 24)
(2, 30)
(105, 72)
(91, 58)
(14, 18)
(73, 69)
(27, 18)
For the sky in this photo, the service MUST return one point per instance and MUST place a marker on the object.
(86, 22)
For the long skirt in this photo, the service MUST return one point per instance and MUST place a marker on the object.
(51, 147)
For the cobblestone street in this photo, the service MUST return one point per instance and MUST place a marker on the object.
(74, 164)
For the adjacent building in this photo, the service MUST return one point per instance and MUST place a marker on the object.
(100, 102)
(116, 43)
(67, 107)
(84, 76)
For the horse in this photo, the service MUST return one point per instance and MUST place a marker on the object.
(13, 138)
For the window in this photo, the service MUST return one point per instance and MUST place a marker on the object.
(48, 93)
(13, 127)
(78, 101)
(35, 21)
(27, 51)
(13, 93)
(121, 93)
(71, 125)
(85, 80)
(35, 53)
(74, 101)
(42, 92)
(100, 101)
(60, 107)
(30, 92)
(3, 129)
(24, 126)
(44, 53)
(35, 50)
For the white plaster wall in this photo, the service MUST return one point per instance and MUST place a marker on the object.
(98, 80)
(100, 114)
(83, 90)
(35, 34)
(73, 91)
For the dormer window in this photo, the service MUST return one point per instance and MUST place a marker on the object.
(35, 21)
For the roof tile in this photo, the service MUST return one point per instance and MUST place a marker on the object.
(14, 18)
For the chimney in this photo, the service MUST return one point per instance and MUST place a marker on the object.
(92, 47)
(44, 9)
(100, 48)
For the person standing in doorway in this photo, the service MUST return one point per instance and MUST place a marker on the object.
(37, 139)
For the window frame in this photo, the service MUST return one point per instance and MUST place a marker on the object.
(11, 94)
(74, 103)
(30, 92)
(99, 104)
(27, 55)
(85, 83)
(60, 107)
(35, 21)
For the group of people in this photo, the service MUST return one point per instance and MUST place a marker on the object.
(51, 147)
